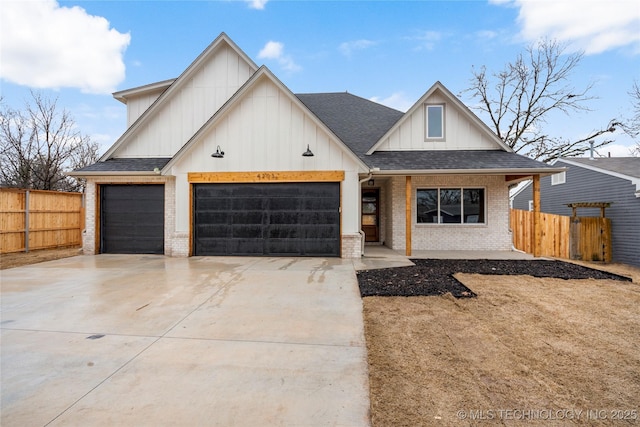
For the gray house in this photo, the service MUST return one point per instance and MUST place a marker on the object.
(615, 179)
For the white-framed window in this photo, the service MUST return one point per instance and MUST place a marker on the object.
(434, 121)
(558, 178)
(451, 206)
(530, 205)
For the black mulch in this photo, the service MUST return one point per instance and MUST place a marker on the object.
(435, 276)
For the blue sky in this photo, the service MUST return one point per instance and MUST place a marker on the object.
(388, 51)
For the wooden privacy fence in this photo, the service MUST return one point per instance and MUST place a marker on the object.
(37, 219)
(584, 238)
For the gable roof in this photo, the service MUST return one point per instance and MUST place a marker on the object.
(358, 122)
(451, 98)
(263, 72)
(361, 123)
(175, 87)
(622, 167)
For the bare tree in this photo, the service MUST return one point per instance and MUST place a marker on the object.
(41, 143)
(632, 125)
(519, 99)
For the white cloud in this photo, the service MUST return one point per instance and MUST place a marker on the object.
(347, 48)
(48, 46)
(486, 34)
(612, 150)
(275, 50)
(594, 26)
(397, 100)
(271, 50)
(427, 39)
(257, 4)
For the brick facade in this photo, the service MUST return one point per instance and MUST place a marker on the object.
(494, 235)
(89, 244)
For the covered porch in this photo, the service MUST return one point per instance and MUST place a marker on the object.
(439, 215)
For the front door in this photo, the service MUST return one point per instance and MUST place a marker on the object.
(371, 214)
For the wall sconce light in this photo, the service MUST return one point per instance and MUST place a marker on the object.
(307, 153)
(371, 182)
(218, 154)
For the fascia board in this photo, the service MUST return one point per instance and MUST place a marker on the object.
(112, 173)
(527, 171)
(176, 86)
(141, 90)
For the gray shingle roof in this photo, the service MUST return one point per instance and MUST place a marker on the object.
(358, 122)
(146, 164)
(623, 165)
(452, 160)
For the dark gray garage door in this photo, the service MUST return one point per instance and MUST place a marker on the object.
(132, 219)
(279, 219)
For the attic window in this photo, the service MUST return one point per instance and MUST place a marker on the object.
(434, 121)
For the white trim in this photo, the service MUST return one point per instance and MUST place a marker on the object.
(414, 172)
(141, 90)
(559, 178)
(442, 137)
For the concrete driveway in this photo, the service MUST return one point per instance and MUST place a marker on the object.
(149, 340)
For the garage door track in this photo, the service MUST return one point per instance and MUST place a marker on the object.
(151, 340)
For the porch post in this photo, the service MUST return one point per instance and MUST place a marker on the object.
(537, 229)
(408, 215)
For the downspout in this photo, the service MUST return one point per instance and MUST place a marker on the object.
(360, 212)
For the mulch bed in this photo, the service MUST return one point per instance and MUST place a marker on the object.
(435, 276)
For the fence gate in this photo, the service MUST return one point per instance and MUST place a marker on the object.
(590, 237)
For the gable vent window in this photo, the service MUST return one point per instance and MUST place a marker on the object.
(558, 178)
(434, 120)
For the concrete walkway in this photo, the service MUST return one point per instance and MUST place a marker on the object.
(150, 341)
(376, 256)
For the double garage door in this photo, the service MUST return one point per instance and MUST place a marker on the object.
(274, 219)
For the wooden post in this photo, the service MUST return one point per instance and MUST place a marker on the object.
(537, 230)
(26, 221)
(408, 215)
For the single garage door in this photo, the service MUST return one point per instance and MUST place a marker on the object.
(132, 219)
(275, 219)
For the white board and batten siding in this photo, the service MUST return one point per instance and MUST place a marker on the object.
(460, 132)
(266, 130)
(138, 104)
(190, 105)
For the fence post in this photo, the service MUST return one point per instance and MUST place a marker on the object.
(26, 221)
(537, 231)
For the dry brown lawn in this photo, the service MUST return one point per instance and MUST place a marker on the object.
(18, 259)
(526, 351)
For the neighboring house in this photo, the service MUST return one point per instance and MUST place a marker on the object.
(611, 179)
(226, 160)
